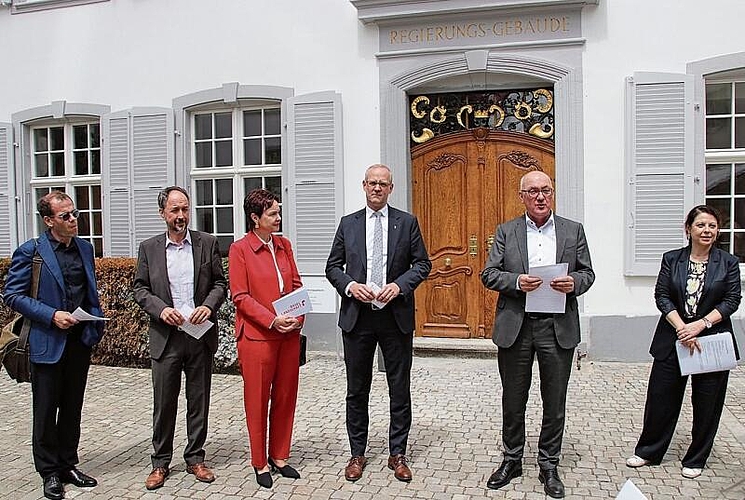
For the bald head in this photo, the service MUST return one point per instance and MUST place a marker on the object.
(537, 194)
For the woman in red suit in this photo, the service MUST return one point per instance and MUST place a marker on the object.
(262, 269)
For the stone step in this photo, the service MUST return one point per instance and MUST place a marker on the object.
(454, 348)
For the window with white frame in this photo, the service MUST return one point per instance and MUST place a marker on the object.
(234, 151)
(725, 160)
(67, 157)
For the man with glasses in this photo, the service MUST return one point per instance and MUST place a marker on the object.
(179, 279)
(537, 238)
(377, 260)
(60, 346)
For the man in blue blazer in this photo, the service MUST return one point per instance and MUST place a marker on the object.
(377, 260)
(59, 345)
(537, 238)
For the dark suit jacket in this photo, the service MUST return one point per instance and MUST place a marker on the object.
(508, 259)
(153, 293)
(254, 285)
(721, 292)
(408, 264)
(46, 341)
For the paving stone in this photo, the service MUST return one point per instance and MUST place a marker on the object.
(453, 448)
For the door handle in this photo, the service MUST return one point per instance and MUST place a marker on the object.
(489, 243)
(448, 262)
(473, 245)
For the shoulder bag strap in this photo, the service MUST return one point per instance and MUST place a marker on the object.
(35, 272)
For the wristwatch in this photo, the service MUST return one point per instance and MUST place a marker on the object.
(707, 323)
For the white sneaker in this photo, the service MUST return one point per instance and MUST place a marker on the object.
(636, 461)
(690, 473)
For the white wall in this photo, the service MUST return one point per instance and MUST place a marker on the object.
(126, 53)
(624, 36)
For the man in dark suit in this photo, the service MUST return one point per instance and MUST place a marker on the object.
(537, 238)
(377, 260)
(59, 345)
(179, 279)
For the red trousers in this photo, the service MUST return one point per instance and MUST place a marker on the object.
(270, 370)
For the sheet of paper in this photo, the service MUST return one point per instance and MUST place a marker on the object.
(196, 331)
(293, 304)
(376, 290)
(630, 492)
(717, 354)
(545, 299)
(81, 315)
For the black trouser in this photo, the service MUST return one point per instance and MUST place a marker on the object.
(58, 392)
(535, 340)
(378, 328)
(186, 353)
(664, 400)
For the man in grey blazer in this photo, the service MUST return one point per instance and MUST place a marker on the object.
(535, 239)
(378, 255)
(179, 278)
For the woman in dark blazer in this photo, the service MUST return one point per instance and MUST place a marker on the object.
(262, 269)
(698, 289)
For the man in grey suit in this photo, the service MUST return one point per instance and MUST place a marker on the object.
(377, 260)
(537, 238)
(179, 279)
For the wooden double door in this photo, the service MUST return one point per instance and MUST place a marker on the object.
(464, 185)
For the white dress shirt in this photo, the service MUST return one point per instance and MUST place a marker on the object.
(370, 236)
(541, 242)
(180, 263)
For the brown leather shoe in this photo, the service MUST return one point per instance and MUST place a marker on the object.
(201, 472)
(353, 470)
(401, 471)
(156, 478)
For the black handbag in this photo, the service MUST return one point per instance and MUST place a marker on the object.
(303, 349)
(14, 351)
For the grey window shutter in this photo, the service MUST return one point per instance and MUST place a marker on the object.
(314, 177)
(659, 167)
(6, 195)
(138, 162)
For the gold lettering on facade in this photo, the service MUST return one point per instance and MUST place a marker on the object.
(505, 27)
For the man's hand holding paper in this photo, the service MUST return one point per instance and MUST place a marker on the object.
(549, 296)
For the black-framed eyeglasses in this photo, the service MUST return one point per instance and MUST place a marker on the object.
(382, 184)
(65, 216)
(533, 193)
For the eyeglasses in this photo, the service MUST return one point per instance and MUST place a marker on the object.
(533, 193)
(65, 216)
(382, 184)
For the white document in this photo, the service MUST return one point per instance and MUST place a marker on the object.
(293, 304)
(81, 315)
(376, 290)
(717, 354)
(545, 299)
(195, 331)
(630, 492)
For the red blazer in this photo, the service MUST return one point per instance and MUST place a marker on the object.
(254, 284)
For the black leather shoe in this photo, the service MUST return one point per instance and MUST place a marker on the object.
(74, 476)
(286, 471)
(509, 470)
(53, 488)
(552, 485)
(264, 478)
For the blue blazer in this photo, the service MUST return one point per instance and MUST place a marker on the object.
(408, 264)
(46, 341)
(721, 292)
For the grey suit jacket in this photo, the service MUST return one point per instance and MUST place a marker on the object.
(408, 264)
(508, 259)
(153, 293)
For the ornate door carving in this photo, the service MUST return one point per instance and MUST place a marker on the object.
(464, 184)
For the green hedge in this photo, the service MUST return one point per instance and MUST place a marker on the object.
(125, 342)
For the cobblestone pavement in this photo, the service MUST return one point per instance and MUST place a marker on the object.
(453, 446)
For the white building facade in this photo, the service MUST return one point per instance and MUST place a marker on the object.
(635, 108)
